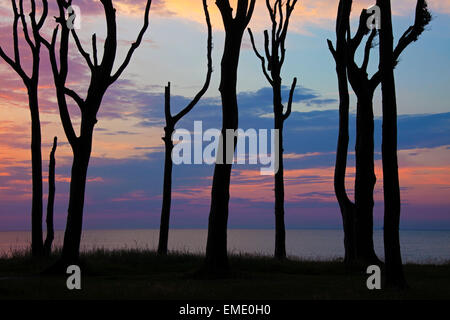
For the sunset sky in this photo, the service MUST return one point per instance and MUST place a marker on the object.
(126, 170)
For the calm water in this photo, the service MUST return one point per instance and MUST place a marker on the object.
(417, 246)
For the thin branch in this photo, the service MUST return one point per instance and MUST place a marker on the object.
(267, 50)
(422, 19)
(25, 28)
(281, 23)
(135, 45)
(85, 55)
(250, 12)
(263, 61)
(367, 49)
(331, 48)
(75, 97)
(44, 15)
(291, 98)
(94, 49)
(168, 115)
(205, 87)
(15, 33)
(360, 33)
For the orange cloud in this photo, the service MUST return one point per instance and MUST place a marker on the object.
(424, 179)
(317, 12)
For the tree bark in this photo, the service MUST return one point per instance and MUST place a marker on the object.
(51, 201)
(394, 268)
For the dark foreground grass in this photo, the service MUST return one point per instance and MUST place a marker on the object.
(135, 274)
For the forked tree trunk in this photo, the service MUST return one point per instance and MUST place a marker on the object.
(72, 235)
(51, 201)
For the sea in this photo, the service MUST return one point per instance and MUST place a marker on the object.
(417, 246)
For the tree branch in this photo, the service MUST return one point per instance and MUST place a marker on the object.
(422, 19)
(85, 55)
(75, 97)
(25, 28)
(94, 49)
(205, 87)
(367, 49)
(135, 45)
(291, 98)
(263, 61)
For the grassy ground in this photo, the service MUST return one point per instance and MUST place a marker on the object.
(144, 275)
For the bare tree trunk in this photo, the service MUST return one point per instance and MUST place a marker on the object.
(167, 192)
(365, 180)
(346, 206)
(280, 229)
(51, 201)
(216, 260)
(394, 268)
(72, 235)
(36, 169)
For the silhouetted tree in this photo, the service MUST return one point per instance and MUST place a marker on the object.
(102, 76)
(31, 83)
(216, 260)
(171, 122)
(275, 54)
(50, 201)
(364, 88)
(388, 60)
(347, 207)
